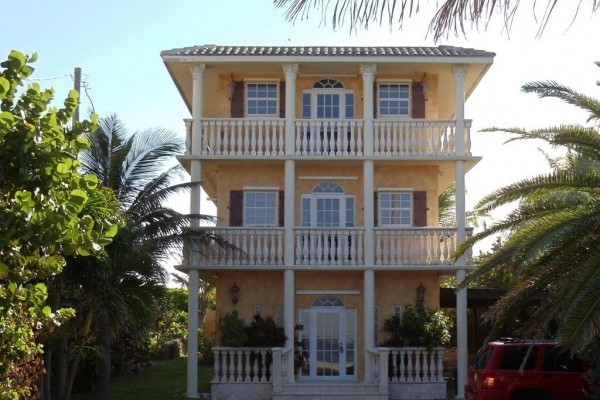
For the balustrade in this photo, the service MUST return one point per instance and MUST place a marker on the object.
(242, 365)
(414, 364)
(342, 246)
(329, 137)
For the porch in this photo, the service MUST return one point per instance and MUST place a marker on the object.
(262, 373)
(344, 247)
(259, 138)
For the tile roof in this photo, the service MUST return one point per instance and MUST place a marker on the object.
(383, 51)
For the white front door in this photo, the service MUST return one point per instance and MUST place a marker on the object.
(328, 341)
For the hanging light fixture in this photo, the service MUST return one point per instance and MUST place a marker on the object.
(235, 293)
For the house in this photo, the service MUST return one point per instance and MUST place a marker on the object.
(325, 165)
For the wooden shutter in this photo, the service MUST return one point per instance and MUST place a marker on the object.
(376, 206)
(237, 101)
(281, 99)
(375, 100)
(417, 100)
(236, 208)
(281, 208)
(420, 209)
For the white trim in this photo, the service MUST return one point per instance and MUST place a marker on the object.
(395, 189)
(267, 81)
(261, 188)
(259, 80)
(395, 80)
(408, 83)
(380, 193)
(244, 219)
(332, 75)
(339, 292)
(325, 178)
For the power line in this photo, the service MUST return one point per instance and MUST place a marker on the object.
(48, 79)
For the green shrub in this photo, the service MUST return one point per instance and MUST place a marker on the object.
(232, 329)
(264, 332)
(418, 326)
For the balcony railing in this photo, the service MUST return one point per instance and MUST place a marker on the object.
(418, 138)
(328, 138)
(394, 247)
(416, 246)
(242, 365)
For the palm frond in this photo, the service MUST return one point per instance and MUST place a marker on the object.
(568, 95)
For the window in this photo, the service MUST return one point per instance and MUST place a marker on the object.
(260, 208)
(258, 310)
(395, 208)
(279, 315)
(513, 357)
(394, 100)
(398, 310)
(261, 99)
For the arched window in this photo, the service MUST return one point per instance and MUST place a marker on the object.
(328, 301)
(328, 84)
(328, 188)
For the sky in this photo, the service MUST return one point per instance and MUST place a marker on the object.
(117, 43)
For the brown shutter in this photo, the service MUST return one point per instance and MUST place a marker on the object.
(237, 101)
(281, 208)
(417, 100)
(281, 99)
(420, 209)
(236, 208)
(375, 100)
(376, 206)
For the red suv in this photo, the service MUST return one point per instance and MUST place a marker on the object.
(514, 369)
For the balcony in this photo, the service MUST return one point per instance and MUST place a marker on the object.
(408, 138)
(410, 248)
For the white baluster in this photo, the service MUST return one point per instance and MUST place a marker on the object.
(386, 250)
(251, 251)
(263, 356)
(440, 365)
(298, 248)
(403, 357)
(265, 251)
(392, 249)
(281, 141)
(453, 238)
(255, 377)
(311, 140)
(247, 366)
(348, 136)
(468, 138)
(272, 236)
(342, 256)
(352, 247)
(239, 368)
(259, 248)
(409, 366)
(388, 139)
(318, 252)
(394, 128)
(376, 133)
(308, 243)
(359, 249)
(394, 365)
(342, 137)
(279, 253)
(432, 377)
(378, 248)
(269, 128)
(305, 135)
(359, 138)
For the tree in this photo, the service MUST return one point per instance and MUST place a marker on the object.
(139, 168)
(553, 240)
(451, 16)
(43, 198)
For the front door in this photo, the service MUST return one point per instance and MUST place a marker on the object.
(328, 343)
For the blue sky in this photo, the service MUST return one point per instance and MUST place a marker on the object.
(117, 43)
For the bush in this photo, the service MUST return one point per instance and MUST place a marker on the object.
(264, 332)
(418, 326)
(232, 329)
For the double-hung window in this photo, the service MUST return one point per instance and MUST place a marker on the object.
(394, 100)
(260, 208)
(395, 208)
(262, 99)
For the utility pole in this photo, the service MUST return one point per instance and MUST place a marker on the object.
(77, 86)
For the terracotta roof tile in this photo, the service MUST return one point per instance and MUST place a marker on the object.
(214, 50)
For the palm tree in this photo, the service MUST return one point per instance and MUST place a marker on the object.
(451, 15)
(121, 292)
(553, 235)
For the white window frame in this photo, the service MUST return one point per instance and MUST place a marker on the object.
(258, 310)
(247, 98)
(380, 195)
(313, 206)
(394, 82)
(275, 210)
(398, 311)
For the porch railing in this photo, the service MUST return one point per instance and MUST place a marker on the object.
(250, 246)
(343, 246)
(239, 136)
(243, 365)
(336, 137)
(343, 137)
(417, 246)
(418, 138)
(406, 365)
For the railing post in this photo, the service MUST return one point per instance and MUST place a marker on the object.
(276, 370)
(383, 370)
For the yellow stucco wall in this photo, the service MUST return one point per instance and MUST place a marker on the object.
(218, 105)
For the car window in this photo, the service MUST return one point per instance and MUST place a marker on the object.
(512, 357)
(481, 358)
(557, 359)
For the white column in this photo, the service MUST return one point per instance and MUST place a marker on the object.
(288, 288)
(368, 75)
(192, 339)
(369, 315)
(291, 72)
(197, 106)
(193, 274)
(460, 72)
(461, 296)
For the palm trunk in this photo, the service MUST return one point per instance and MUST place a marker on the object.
(62, 366)
(103, 379)
(77, 358)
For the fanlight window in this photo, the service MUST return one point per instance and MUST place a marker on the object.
(328, 84)
(328, 188)
(328, 301)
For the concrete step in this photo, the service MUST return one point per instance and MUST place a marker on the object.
(330, 390)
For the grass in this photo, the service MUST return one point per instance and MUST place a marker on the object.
(163, 380)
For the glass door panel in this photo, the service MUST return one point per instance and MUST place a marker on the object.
(329, 343)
